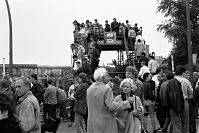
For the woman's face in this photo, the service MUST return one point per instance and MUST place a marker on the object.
(126, 88)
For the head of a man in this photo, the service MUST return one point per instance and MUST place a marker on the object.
(131, 72)
(33, 78)
(161, 76)
(101, 75)
(4, 85)
(180, 70)
(22, 86)
(143, 63)
(187, 75)
(7, 108)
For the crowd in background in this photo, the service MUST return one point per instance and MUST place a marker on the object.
(131, 103)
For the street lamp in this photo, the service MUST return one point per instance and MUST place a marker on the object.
(10, 40)
(190, 60)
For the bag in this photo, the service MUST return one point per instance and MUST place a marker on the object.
(61, 95)
(175, 96)
(120, 123)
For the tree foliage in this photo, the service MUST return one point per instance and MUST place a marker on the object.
(175, 27)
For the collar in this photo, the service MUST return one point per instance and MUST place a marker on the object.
(25, 96)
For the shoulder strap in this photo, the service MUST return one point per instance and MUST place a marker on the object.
(135, 103)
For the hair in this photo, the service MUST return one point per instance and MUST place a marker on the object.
(127, 80)
(157, 70)
(83, 76)
(145, 75)
(34, 76)
(4, 83)
(99, 74)
(6, 104)
(142, 53)
(187, 72)
(49, 81)
(25, 80)
(139, 40)
(121, 76)
(180, 70)
(92, 78)
(133, 70)
(170, 75)
(143, 63)
(150, 56)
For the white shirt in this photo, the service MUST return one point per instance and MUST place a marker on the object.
(153, 65)
(144, 69)
(71, 91)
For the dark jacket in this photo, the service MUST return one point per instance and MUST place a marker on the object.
(38, 91)
(148, 91)
(115, 26)
(80, 96)
(107, 28)
(9, 126)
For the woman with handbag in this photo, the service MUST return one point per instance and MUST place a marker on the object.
(129, 120)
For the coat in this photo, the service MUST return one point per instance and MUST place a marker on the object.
(101, 109)
(132, 123)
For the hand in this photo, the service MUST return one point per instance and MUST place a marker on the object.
(130, 100)
(137, 113)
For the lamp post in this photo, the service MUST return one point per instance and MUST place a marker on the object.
(10, 40)
(190, 60)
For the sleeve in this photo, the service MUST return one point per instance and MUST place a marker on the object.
(149, 65)
(139, 104)
(114, 105)
(140, 72)
(81, 91)
(46, 93)
(190, 90)
(27, 117)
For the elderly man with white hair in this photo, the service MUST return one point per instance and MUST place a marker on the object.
(101, 105)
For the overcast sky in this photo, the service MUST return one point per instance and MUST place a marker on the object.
(42, 29)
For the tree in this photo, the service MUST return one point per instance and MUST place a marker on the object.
(174, 27)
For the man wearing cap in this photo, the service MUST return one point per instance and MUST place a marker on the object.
(28, 110)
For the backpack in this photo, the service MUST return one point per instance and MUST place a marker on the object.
(175, 96)
(61, 95)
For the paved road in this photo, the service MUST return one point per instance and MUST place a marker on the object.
(63, 127)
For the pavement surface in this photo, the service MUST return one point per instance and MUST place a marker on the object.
(63, 127)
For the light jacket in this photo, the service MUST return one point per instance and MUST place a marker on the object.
(28, 111)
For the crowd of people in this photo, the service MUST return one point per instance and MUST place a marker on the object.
(103, 104)
(86, 50)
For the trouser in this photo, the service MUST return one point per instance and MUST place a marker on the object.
(72, 113)
(79, 123)
(63, 113)
(192, 116)
(51, 110)
(180, 123)
(44, 112)
(152, 116)
(161, 115)
(85, 116)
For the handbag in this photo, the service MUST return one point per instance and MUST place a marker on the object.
(120, 123)
(141, 120)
